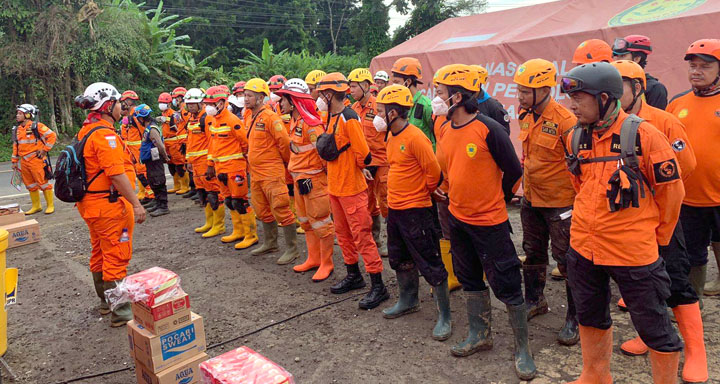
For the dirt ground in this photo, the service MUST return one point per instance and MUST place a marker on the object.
(56, 334)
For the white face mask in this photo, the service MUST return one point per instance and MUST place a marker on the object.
(439, 107)
(321, 104)
(241, 101)
(265, 100)
(211, 110)
(380, 124)
(275, 98)
(163, 106)
(175, 103)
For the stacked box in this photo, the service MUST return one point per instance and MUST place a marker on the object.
(243, 366)
(21, 232)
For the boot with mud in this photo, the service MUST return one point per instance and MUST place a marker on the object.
(100, 291)
(691, 328)
(250, 229)
(208, 220)
(697, 281)
(408, 302)
(326, 259)
(313, 253)
(535, 277)
(376, 233)
(218, 227)
(569, 334)
(378, 293)
(596, 345)
(122, 313)
(270, 239)
(524, 364)
(291, 249)
(479, 314)
(353, 280)
(664, 366)
(712, 288)
(443, 326)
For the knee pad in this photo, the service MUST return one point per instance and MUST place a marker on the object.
(213, 200)
(240, 205)
(143, 180)
(171, 168)
(202, 196)
(229, 203)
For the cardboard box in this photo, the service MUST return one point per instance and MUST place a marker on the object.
(25, 232)
(185, 372)
(159, 352)
(163, 317)
(12, 218)
(8, 209)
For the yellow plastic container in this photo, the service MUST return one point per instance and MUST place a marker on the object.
(8, 282)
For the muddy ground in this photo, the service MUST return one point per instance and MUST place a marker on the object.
(55, 333)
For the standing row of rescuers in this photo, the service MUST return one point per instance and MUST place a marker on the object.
(328, 158)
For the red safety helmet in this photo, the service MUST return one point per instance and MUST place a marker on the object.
(216, 93)
(276, 82)
(238, 87)
(129, 94)
(632, 43)
(179, 91)
(706, 49)
(165, 98)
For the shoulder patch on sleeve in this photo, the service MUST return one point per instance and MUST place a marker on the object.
(666, 171)
(278, 125)
(348, 114)
(112, 140)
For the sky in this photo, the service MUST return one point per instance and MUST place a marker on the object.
(397, 19)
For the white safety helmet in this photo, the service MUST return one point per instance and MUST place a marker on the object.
(296, 85)
(96, 95)
(382, 75)
(238, 102)
(29, 109)
(194, 96)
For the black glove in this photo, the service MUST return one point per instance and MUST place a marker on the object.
(304, 186)
(373, 169)
(223, 177)
(210, 173)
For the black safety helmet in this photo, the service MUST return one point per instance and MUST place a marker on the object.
(595, 79)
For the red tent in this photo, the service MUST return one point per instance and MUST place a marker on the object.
(501, 41)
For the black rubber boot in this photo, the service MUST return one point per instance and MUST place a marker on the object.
(159, 211)
(443, 327)
(408, 285)
(189, 194)
(353, 280)
(524, 364)
(378, 293)
(151, 208)
(535, 276)
(146, 201)
(569, 333)
(149, 203)
(479, 314)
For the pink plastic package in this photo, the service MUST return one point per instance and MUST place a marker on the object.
(243, 366)
(149, 287)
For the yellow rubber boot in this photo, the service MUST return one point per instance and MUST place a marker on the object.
(176, 184)
(250, 227)
(50, 200)
(237, 232)
(208, 220)
(184, 184)
(35, 198)
(299, 229)
(453, 282)
(218, 227)
(141, 191)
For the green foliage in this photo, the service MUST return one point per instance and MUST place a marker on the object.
(426, 14)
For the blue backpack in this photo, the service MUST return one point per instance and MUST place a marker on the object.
(71, 183)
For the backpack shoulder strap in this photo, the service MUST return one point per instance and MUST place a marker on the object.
(202, 123)
(628, 140)
(36, 132)
(576, 137)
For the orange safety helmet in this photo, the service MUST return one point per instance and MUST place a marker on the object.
(238, 87)
(396, 94)
(165, 98)
(630, 70)
(216, 93)
(482, 73)
(706, 49)
(129, 94)
(335, 81)
(408, 66)
(276, 82)
(458, 75)
(179, 91)
(592, 51)
(536, 73)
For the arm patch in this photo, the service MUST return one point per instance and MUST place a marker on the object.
(666, 171)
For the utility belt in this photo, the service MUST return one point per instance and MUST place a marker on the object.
(112, 195)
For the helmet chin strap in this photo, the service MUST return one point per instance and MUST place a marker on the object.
(534, 104)
(636, 97)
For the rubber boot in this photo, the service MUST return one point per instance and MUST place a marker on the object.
(524, 364)
(326, 259)
(353, 280)
(176, 184)
(184, 184)
(479, 314)
(443, 326)
(621, 305)
(291, 250)
(237, 232)
(664, 366)
(190, 194)
(556, 274)
(100, 291)
(378, 293)
(596, 354)
(376, 230)
(535, 277)
(712, 288)
(313, 253)
(691, 328)
(160, 210)
(122, 313)
(270, 240)
(35, 198)
(569, 334)
(446, 255)
(49, 199)
(250, 228)
(634, 347)
(152, 207)
(408, 302)
(218, 227)
(141, 192)
(148, 202)
(697, 281)
(208, 220)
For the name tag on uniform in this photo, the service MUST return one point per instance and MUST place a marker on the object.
(369, 116)
(260, 126)
(298, 131)
(549, 127)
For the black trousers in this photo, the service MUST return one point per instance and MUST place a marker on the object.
(699, 224)
(644, 289)
(677, 266)
(156, 178)
(489, 249)
(542, 226)
(179, 169)
(413, 242)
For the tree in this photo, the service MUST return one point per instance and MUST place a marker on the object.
(426, 14)
(371, 25)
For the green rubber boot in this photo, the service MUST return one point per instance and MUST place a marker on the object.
(408, 284)
(697, 281)
(270, 239)
(291, 250)
(100, 291)
(479, 325)
(122, 313)
(524, 364)
(443, 327)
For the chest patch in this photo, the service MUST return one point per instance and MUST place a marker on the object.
(369, 116)
(524, 126)
(471, 150)
(260, 126)
(298, 131)
(402, 147)
(683, 113)
(549, 127)
(615, 145)
(278, 126)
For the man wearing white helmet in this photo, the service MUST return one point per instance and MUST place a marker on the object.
(381, 79)
(237, 105)
(32, 140)
(110, 208)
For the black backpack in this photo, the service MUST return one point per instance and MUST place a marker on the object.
(71, 183)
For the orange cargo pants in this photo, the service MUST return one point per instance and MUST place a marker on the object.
(271, 201)
(352, 226)
(111, 251)
(32, 171)
(313, 209)
(377, 192)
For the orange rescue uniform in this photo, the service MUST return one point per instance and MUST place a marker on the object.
(227, 145)
(378, 187)
(414, 171)
(198, 144)
(174, 135)
(25, 147)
